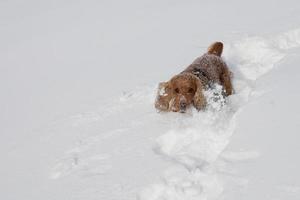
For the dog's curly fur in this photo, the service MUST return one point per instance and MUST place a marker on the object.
(186, 88)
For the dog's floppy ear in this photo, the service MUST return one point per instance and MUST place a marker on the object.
(163, 97)
(199, 100)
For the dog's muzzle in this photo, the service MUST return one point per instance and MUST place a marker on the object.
(183, 106)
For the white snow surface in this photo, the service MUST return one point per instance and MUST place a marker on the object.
(78, 81)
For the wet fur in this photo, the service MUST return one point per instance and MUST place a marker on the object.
(186, 88)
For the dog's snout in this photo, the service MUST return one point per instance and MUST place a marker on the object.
(183, 106)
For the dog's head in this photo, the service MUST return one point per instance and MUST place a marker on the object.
(179, 93)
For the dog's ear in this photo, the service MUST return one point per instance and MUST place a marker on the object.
(163, 96)
(199, 100)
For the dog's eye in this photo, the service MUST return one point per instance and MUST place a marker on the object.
(191, 90)
(176, 90)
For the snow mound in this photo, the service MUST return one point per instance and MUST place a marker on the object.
(288, 40)
(198, 139)
(255, 56)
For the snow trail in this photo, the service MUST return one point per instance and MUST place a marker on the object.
(195, 144)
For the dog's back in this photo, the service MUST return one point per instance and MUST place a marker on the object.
(209, 66)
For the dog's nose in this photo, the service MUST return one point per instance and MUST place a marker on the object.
(183, 106)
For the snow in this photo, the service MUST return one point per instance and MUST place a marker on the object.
(79, 79)
(197, 143)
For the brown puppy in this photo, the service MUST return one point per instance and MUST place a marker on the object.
(186, 88)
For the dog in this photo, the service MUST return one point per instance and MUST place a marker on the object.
(186, 89)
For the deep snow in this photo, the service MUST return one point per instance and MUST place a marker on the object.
(78, 81)
(199, 143)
